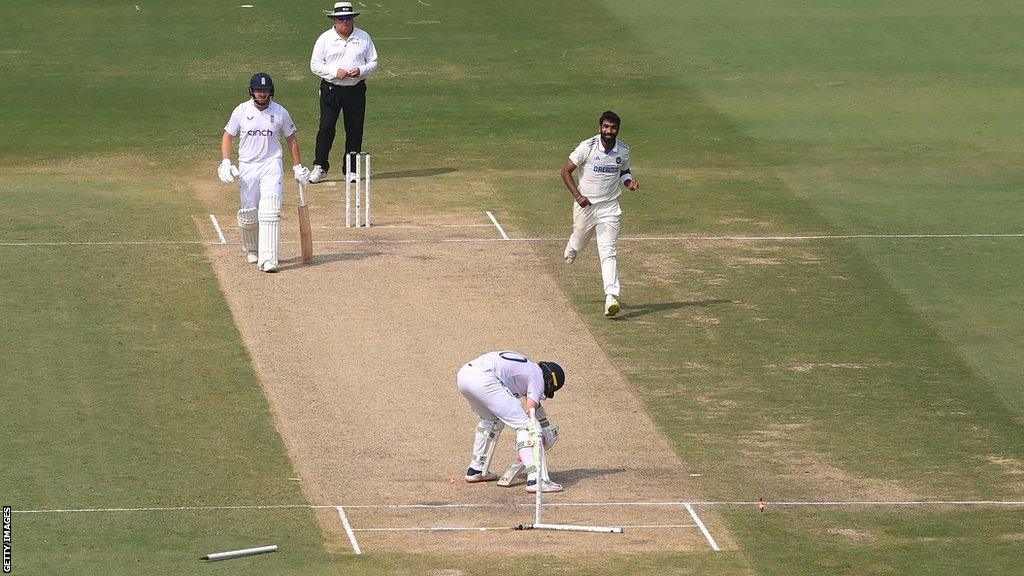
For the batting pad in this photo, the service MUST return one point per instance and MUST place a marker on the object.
(270, 228)
(249, 225)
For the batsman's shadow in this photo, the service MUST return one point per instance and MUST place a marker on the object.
(574, 475)
(421, 173)
(635, 310)
(322, 259)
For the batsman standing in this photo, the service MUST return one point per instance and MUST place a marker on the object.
(493, 385)
(260, 123)
(604, 163)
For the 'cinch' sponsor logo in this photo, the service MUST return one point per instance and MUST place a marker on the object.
(259, 132)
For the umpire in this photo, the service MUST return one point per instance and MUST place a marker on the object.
(343, 57)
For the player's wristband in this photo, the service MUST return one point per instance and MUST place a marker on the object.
(626, 179)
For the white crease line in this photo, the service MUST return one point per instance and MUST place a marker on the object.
(437, 529)
(809, 503)
(412, 226)
(498, 226)
(348, 530)
(216, 226)
(656, 526)
(545, 239)
(422, 2)
(703, 528)
(494, 528)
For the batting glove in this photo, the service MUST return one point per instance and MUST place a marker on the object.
(226, 172)
(301, 174)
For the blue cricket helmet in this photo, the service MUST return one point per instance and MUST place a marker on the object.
(261, 81)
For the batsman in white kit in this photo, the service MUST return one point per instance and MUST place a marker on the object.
(493, 384)
(603, 161)
(260, 123)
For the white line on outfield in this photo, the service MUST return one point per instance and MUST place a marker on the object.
(552, 239)
(752, 503)
(498, 226)
(703, 528)
(110, 243)
(825, 237)
(216, 226)
(348, 530)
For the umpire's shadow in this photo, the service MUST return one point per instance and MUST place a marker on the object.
(421, 173)
(635, 310)
(574, 475)
(321, 259)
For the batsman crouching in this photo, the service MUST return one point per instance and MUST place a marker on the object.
(493, 384)
(260, 123)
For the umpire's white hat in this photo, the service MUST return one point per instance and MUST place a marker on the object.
(342, 9)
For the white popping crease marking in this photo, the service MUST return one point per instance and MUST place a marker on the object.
(668, 503)
(694, 238)
(216, 226)
(348, 530)
(703, 528)
(498, 226)
(503, 528)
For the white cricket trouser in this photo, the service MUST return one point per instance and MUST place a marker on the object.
(604, 218)
(490, 400)
(260, 179)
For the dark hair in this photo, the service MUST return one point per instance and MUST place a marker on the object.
(610, 116)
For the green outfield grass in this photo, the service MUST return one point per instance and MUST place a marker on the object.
(872, 369)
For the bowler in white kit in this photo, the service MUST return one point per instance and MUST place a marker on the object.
(494, 385)
(260, 123)
(604, 163)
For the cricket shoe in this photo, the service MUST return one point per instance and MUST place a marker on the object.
(611, 306)
(546, 486)
(252, 257)
(318, 174)
(351, 177)
(474, 476)
(268, 266)
(570, 255)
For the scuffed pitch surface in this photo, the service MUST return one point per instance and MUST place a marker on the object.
(358, 352)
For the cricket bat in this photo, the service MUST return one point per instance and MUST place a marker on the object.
(509, 476)
(305, 231)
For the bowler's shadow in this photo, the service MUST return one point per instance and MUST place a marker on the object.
(321, 259)
(635, 310)
(421, 173)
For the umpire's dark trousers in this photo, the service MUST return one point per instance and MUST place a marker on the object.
(335, 100)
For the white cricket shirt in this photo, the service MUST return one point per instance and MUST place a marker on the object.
(600, 171)
(522, 376)
(331, 53)
(260, 130)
